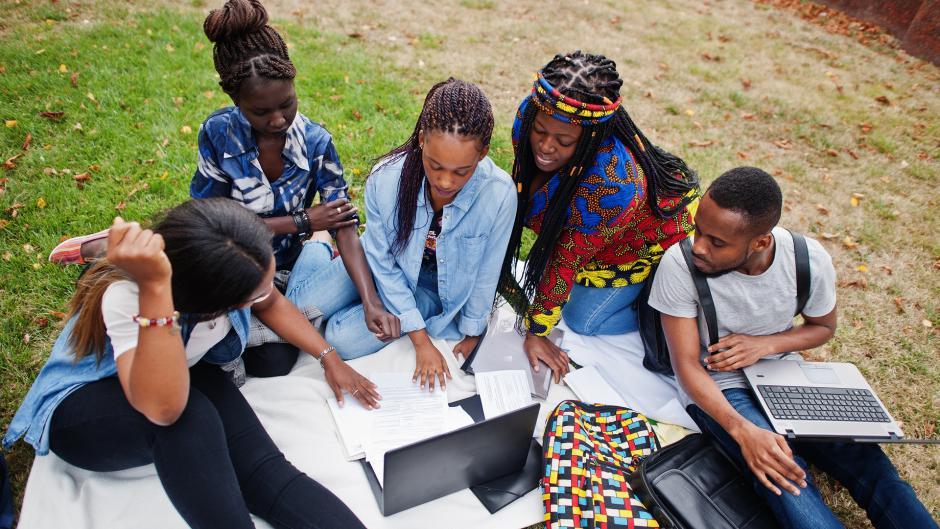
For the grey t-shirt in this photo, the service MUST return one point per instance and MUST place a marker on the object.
(754, 305)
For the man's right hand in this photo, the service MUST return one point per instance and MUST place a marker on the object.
(770, 459)
(541, 348)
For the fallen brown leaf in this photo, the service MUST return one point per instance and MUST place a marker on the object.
(747, 115)
(823, 210)
(883, 100)
(697, 143)
(743, 155)
(357, 115)
(27, 141)
(887, 269)
(54, 116)
(832, 152)
(121, 205)
(74, 79)
(852, 154)
(746, 83)
(857, 283)
(783, 144)
(849, 243)
(866, 127)
(899, 303)
(57, 314)
(10, 162)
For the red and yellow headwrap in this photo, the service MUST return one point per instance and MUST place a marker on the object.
(563, 108)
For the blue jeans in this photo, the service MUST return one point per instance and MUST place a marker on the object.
(591, 311)
(861, 468)
(319, 280)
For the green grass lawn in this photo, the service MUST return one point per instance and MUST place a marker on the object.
(125, 86)
(127, 94)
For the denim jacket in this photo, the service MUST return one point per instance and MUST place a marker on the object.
(62, 375)
(470, 248)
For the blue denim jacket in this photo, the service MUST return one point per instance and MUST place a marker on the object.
(62, 375)
(470, 248)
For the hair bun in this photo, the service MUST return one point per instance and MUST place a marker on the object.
(235, 18)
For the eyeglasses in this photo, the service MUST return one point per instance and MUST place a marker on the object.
(262, 297)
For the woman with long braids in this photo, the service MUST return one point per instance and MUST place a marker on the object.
(604, 201)
(265, 154)
(438, 222)
(135, 378)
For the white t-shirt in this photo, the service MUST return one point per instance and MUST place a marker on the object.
(119, 305)
(744, 304)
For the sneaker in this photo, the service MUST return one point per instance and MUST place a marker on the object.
(70, 251)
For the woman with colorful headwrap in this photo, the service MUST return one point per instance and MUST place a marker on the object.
(604, 202)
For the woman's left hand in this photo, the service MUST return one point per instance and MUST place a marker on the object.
(342, 378)
(466, 346)
(383, 324)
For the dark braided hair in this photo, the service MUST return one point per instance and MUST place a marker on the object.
(245, 45)
(590, 79)
(453, 106)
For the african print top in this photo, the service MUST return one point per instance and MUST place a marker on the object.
(612, 237)
(228, 166)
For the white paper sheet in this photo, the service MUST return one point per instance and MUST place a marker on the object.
(352, 426)
(503, 391)
(407, 414)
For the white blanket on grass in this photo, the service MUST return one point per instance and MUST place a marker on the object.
(293, 409)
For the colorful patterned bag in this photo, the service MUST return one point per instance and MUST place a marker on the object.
(589, 452)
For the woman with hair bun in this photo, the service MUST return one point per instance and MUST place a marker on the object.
(272, 159)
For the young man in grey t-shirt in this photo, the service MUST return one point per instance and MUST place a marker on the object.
(752, 277)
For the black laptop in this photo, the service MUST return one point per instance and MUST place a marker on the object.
(455, 460)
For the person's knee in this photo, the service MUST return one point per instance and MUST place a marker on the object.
(349, 339)
(270, 359)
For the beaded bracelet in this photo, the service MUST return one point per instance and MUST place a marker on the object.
(166, 321)
(325, 352)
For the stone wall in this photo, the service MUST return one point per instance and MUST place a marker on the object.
(916, 23)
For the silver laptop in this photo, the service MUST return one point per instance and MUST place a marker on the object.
(821, 400)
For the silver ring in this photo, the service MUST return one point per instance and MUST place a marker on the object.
(339, 210)
(354, 392)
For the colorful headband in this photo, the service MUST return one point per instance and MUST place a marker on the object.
(569, 110)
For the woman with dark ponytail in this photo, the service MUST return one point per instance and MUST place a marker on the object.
(604, 201)
(439, 215)
(269, 157)
(135, 377)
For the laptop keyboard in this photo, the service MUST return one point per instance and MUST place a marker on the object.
(822, 404)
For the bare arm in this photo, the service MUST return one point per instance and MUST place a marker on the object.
(290, 324)
(383, 324)
(766, 453)
(154, 375)
(736, 351)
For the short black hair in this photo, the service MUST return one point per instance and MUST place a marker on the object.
(750, 192)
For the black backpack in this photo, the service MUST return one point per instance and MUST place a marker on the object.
(656, 351)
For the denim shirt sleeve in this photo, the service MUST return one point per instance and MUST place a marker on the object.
(390, 279)
(473, 315)
(209, 180)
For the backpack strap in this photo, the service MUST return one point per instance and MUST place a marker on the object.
(704, 293)
(801, 257)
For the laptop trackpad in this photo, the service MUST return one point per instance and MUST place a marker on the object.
(820, 374)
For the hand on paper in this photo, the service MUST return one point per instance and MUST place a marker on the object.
(737, 352)
(465, 346)
(342, 378)
(541, 348)
(430, 364)
(770, 459)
